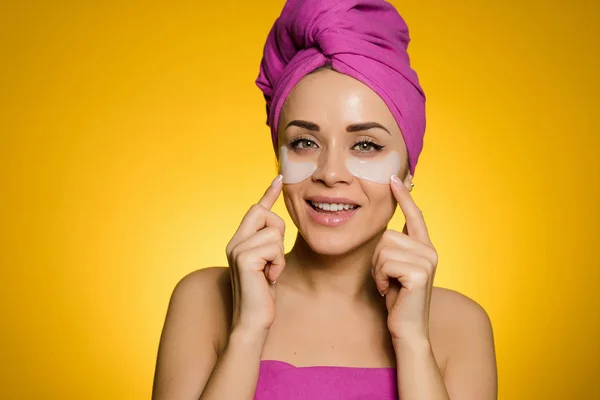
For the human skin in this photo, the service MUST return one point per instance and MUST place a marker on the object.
(325, 307)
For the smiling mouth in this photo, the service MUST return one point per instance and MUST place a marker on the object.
(332, 208)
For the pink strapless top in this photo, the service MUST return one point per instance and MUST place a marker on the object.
(280, 380)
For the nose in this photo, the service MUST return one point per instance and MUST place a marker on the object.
(331, 168)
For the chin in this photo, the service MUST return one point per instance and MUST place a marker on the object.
(329, 246)
(332, 243)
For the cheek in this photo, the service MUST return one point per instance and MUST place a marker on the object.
(381, 200)
(290, 196)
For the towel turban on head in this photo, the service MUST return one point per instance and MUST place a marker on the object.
(364, 39)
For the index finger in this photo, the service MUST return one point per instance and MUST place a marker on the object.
(272, 193)
(415, 223)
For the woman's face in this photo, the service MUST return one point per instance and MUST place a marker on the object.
(327, 119)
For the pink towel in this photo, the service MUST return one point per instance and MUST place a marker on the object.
(365, 39)
(279, 380)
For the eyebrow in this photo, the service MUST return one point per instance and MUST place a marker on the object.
(311, 126)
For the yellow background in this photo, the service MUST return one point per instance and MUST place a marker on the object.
(132, 141)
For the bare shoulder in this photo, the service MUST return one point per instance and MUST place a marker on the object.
(207, 291)
(451, 306)
(455, 315)
(206, 282)
(461, 331)
(197, 320)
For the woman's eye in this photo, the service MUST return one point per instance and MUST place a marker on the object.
(303, 144)
(367, 146)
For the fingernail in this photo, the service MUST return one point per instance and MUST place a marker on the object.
(277, 180)
(382, 294)
(396, 180)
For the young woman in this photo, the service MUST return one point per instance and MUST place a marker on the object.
(351, 311)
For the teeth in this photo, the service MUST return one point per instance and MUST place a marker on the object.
(333, 206)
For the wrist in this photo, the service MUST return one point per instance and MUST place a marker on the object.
(414, 344)
(245, 337)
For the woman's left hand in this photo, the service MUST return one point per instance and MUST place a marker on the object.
(404, 265)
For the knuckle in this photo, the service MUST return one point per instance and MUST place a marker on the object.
(275, 248)
(235, 254)
(255, 210)
(385, 265)
(277, 220)
(232, 252)
(426, 264)
(384, 254)
(376, 269)
(244, 259)
(273, 233)
(420, 278)
(252, 210)
(434, 258)
(281, 223)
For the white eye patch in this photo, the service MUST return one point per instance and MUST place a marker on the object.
(294, 172)
(375, 171)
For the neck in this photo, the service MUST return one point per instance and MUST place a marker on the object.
(347, 274)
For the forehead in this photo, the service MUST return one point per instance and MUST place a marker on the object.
(331, 99)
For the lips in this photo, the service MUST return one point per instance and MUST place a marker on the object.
(331, 211)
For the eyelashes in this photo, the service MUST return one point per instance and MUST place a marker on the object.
(369, 145)
(362, 145)
(302, 143)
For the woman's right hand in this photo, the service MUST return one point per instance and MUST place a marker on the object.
(256, 259)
